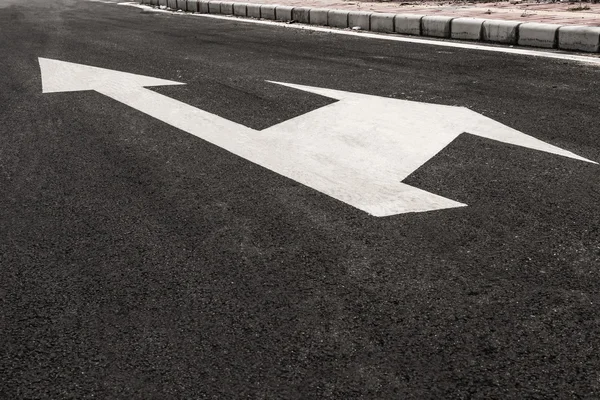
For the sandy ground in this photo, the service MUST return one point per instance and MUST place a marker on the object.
(556, 13)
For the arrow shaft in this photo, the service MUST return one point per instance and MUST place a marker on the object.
(197, 122)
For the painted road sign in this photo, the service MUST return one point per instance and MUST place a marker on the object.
(357, 150)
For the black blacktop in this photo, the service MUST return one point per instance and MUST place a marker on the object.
(138, 261)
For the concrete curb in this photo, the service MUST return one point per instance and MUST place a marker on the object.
(539, 35)
(436, 26)
(319, 16)
(466, 28)
(359, 19)
(496, 31)
(301, 14)
(253, 10)
(283, 13)
(583, 38)
(337, 18)
(567, 37)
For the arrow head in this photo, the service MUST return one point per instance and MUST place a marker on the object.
(61, 76)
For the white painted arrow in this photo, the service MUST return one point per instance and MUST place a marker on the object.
(357, 150)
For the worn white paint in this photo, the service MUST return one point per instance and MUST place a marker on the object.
(591, 59)
(357, 150)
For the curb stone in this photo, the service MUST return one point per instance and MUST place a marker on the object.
(267, 11)
(437, 26)
(582, 38)
(532, 34)
(408, 24)
(318, 16)
(203, 7)
(226, 8)
(466, 28)
(191, 5)
(359, 19)
(301, 15)
(214, 7)
(382, 22)
(338, 18)
(240, 9)
(497, 31)
(283, 13)
(253, 10)
(536, 34)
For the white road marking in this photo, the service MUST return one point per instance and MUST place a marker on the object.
(357, 150)
(396, 38)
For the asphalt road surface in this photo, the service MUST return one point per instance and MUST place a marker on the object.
(139, 261)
